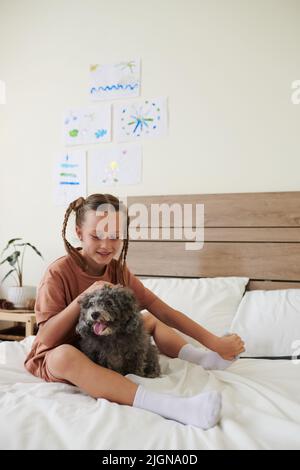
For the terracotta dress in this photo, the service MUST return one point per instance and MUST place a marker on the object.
(62, 282)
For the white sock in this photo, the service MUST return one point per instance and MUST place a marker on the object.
(206, 359)
(201, 410)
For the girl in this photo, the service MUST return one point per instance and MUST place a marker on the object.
(101, 260)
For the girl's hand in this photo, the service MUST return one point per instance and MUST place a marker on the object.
(95, 286)
(228, 347)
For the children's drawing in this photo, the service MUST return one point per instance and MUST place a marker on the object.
(2, 92)
(147, 118)
(118, 164)
(87, 125)
(70, 177)
(110, 81)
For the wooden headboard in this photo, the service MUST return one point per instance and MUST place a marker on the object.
(256, 235)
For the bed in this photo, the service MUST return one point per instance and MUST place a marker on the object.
(248, 234)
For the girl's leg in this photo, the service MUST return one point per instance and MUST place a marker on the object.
(173, 345)
(67, 362)
(167, 340)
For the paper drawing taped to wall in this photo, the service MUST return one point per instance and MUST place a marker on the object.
(117, 164)
(88, 125)
(144, 118)
(111, 81)
(69, 177)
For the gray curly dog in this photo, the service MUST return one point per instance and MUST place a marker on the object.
(112, 333)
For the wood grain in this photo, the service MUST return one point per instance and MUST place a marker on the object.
(256, 235)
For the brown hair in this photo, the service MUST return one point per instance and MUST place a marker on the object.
(80, 206)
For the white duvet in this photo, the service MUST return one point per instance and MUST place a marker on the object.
(261, 408)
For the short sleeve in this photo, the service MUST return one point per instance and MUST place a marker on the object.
(144, 296)
(51, 296)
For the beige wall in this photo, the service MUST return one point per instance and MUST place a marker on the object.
(226, 66)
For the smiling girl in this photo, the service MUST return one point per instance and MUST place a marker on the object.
(102, 226)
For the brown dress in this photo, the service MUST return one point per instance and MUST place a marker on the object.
(62, 282)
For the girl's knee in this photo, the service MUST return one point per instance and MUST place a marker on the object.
(149, 322)
(60, 359)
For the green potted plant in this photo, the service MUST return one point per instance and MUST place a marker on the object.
(18, 294)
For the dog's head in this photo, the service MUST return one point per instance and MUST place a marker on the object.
(107, 311)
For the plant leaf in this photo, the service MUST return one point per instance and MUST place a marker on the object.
(7, 274)
(9, 243)
(13, 258)
(35, 249)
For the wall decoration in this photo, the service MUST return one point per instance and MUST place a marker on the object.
(70, 177)
(139, 119)
(117, 164)
(2, 92)
(88, 125)
(111, 81)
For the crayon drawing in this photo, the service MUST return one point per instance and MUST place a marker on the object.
(111, 81)
(144, 118)
(118, 164)
(69, 177)
(2, 92)
(87, 125)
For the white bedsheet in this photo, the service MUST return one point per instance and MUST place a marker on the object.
(261, 409)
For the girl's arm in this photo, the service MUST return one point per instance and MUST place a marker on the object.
(53, 331)
(228, 347)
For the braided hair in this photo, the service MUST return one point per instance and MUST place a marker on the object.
(80, 206)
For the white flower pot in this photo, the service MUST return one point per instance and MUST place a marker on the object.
(20, 295)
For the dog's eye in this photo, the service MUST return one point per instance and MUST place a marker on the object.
(89, 306)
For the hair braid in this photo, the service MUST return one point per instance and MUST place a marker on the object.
(121, 262)
(73, 206)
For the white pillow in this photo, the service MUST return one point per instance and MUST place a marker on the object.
(269, 322)
(211, 302)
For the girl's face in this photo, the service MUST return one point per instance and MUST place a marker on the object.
(99, 235)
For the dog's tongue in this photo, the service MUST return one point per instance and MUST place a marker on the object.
(99, 327)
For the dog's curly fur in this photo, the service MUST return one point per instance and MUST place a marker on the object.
(124, 345)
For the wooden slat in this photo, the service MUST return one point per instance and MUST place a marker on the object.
(253, 234)
(221, 234)
(270, 209)
(272, 285)
(10, 315)
(264, 261)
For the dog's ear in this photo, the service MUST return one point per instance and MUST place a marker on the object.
(85, 301)
(126, 298)
(132, 324)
